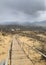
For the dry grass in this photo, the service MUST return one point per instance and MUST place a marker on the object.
(34, 56)
(4, 45)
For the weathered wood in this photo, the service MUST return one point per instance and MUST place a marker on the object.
(37, 50)
(19, 57)
(41, 53)
(2, 63)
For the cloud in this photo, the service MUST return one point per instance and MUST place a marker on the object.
(30, 7)
(26, 10)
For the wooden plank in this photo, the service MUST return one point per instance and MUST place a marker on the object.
(17, 57)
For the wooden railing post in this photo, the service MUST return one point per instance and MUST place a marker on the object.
(11, 53)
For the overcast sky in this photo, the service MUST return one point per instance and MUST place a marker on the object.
(22, 10)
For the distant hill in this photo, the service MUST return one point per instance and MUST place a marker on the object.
(41, 26)
(42, 23)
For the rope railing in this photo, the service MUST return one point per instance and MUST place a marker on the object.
(9, 55)
(5, 62)
(40, 51)
(36, 49)
(28, 52)
(25, 47)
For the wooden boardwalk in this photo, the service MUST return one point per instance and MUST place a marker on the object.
(18, 57)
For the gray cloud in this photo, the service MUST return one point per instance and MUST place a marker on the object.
(23, 9)
(30, 7)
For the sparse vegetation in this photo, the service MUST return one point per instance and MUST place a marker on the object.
(33, 36)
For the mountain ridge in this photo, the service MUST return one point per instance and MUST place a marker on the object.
(42, 23)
